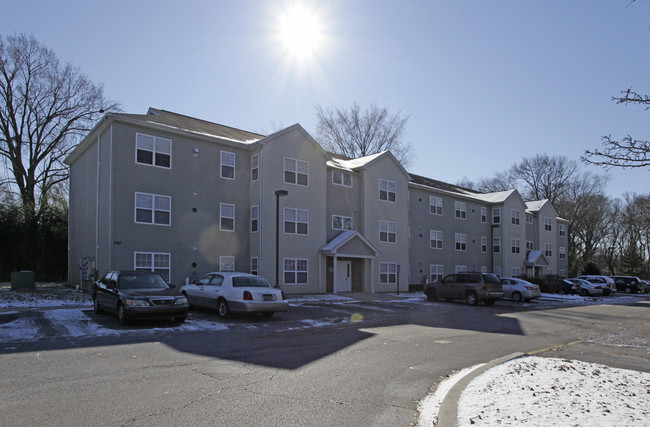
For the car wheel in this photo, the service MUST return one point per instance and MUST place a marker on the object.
(96, 308)
(268, 314)
(222, 308)
(180, 319)
(628, 290)
(121, 315)
(490, 301)
(432, 295)
(471, 298)
(516, 297)
(584, 292)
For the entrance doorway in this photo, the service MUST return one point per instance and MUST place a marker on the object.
(343, 279)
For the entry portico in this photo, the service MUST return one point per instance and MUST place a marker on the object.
(349, 258)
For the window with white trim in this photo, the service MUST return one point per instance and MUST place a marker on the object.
(387, 231)
(296, 221)
(516, 246)
(153, 209)
(296, 171)
(497, 271)
(255, 269)
(562, 252)
(435, 205)
(530, 245)
(496, 216)
(483, 269)
(341, 178)
(562, 230)
(483, 214)
(461, 210)
(547, 224)
(255, 217)
(562, 272)
(296, 271)
(152, 150)
(340, 222)
(387, 273)
(226, 217)
(461, 242)
(484, 245)
(515, 217)
(516, 271)
(435, 238)
(226, 263)
(460, 269)
(387, 190)
(496, 244)
(548, 249)
(529, 219)
(435, 272)
(255, 167)
(227, 165)
(158, 262)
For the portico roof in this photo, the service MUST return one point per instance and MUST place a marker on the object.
(350, 243)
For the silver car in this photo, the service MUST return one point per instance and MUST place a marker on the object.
(519, 289)
(586, 288)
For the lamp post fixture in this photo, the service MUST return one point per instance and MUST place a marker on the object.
(278, 194)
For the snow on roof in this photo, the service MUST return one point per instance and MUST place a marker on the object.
(536, 205)
(352, 165)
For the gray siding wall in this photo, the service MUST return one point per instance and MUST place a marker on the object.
(512, 231)
(345, 201)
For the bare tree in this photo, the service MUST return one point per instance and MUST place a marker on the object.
(628, 152)
(44, 108)
(544, 177)
(353, 133)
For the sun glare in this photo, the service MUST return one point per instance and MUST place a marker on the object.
(300, 32)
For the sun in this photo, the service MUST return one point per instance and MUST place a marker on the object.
(300, 31)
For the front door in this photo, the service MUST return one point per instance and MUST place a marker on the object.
(343, 279)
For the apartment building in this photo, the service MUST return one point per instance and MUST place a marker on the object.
(183, 197)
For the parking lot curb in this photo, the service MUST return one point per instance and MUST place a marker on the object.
(448, 413)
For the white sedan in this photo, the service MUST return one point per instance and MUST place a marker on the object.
(519, 289)
(237, 293)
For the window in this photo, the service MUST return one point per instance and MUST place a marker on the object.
(435, 205)
(436, 239)
(516, 246)
(562, 252)
(547, 224)
(483, 269)
(227, 165)
(529, 219)
(387, 231)
(341, 178)
(154, 261)
(151, 150)
(496, 244)
(227, 217)
(515, 217)
(387, 190)
(153, 209)
(341, 222)
(435, 272)
(496, 216)
(296, 171)
(562, 229)
(295, 271)
(296, 221)
(255, 266)
(530, 245)
(387, 273)
(516, 272)
(461, 242)
(548, 249)
(562, 272)
(255, 214)
(461, 210)
(226, 263)
(255, 167)
(483, 215)
(484, 244)
(497, 271)
(460, 269)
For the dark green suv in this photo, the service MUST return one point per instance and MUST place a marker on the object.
(472, 287)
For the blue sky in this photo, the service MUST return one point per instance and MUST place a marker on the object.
(484, 83)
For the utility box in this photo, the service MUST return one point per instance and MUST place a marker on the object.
(23, 281)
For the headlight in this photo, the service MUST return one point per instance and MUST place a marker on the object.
(136, 303)
(180, 301)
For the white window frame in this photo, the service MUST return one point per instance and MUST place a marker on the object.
(154, 207)
(153, 261)
(460, 269)
(155, 146)
(436, 272)
(225, 215)
(255, 167)
(387, 228)
(435, 205)
(516, 246)
(297, 169)
(339, 178)
(497, 271)
(484, 244)
(562, 252)
(226, 263)
(461, 241)
(461, 210)
(298, 268)
(388, 273)
(515, 215)
(228, 160)
(255, 266)
(296, 218)
(436, 239)
(386, 189)
(255, 219)
(548, 224)
(496, 244)
(530, 245)
(483, 214)
(529, 219)
(339, 222)
(496, 216)
(548, 249)
(561, 230)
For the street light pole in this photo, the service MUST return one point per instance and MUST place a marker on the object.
(278, 194)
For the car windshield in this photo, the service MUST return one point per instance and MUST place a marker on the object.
(250, 281)
(141, 281)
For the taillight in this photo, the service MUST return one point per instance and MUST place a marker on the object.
(283, 295)
(248, 296)
(484, 285)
